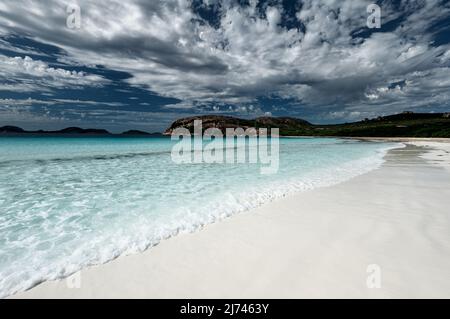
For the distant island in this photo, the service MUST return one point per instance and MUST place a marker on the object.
(406, 124)
(71, 131)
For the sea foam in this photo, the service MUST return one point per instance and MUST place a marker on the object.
(66, 204)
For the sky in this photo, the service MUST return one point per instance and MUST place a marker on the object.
(140, 64)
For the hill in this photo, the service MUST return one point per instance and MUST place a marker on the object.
(224, 122)
(406, 124)
(72, 131)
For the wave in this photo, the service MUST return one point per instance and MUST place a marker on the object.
(144, 236)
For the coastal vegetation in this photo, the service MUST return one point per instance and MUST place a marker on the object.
(406, 124)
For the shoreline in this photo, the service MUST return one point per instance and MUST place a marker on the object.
(203, 264)
(403, 139)
(381, 139)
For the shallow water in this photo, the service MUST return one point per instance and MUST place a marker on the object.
(66, 203)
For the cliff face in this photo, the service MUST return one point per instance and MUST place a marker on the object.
(224, 122)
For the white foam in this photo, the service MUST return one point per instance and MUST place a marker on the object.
(144, 235)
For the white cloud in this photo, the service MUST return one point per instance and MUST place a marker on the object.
(248, 54)
(32, 75)
(20, 102)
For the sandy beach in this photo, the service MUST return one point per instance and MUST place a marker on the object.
(316, 244)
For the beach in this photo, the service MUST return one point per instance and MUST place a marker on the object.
(321, 243)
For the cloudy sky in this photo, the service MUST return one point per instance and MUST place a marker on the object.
(141, 64)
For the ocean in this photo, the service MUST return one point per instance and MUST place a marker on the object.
(67, 203)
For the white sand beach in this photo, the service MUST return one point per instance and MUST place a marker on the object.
(316, 244)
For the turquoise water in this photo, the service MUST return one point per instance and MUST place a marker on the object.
(66, 203)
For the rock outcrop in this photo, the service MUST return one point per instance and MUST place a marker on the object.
(224, 122)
